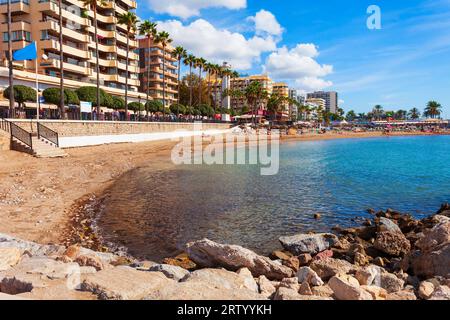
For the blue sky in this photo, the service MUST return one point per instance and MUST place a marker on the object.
(323, 44)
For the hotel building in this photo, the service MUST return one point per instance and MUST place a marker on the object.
(38, 20)
(330, 97)
(151, 56)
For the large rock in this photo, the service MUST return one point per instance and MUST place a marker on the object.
(346, 287)
(368, 275)
(401, 295)
(266, 288)
(308, 243)
(207, 253)
(249, 281)
(330, 267)
(224, 279)
(9, 257)
(308, 275)
(124, 283)
(435, 238)
(30, 247)
(441, 293)
(390, 282)
(386, 224)
(392, 243)
(426, 289)
(289, 294)
(376, 292)
(170, 271)
(57, 291)
(5, 296)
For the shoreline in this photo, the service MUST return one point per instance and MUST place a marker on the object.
(41, 200)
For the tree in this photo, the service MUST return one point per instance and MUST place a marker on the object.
(433, 109)
(135, 106)
(148, 29)
(255, 95)
(186, 90)
(189, 61)
(400, 114)
(53, 96)
(180, 53)
(89, 94)
(350, 116)
(21, 95)
(414, 114)
(164, 39)
(378, 112)
(93, 5)
(275, 104)
(129, 20)
(155, 106)
(177, 109)
(200, 64)
(117, 103)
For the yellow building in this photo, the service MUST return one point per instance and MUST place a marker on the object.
(38, 20)
(318, 102)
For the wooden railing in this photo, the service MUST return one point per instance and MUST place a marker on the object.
(48, 134)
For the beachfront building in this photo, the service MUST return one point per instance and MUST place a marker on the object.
(330, 98)
(38, 20)
(152, 58)
(295, 96)
(316, 103)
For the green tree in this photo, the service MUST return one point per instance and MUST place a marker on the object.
(117, 103)
(52, 95)
(200, 64)
(89, 94)
(179, 53)
(378, 112)
(164, 39)
(350, 116)
(433, 109)
(155, 106)
(129, 20)
(177, 109)
(22, 94)
(190, 61)
(414, 114)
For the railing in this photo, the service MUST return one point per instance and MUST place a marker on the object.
(21, 134)
(4, 125)
(48, 134)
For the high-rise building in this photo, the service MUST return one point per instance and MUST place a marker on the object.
(330, 97)
(38, 20)
(153, 56)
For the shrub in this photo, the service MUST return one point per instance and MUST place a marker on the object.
(21, 94)
(155, 106)
(177, 109)
(51, 95)
(89, 94)
(135, 106)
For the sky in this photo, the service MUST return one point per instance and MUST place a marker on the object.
(323, 45)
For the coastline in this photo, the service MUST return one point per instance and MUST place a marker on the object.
(44, 200)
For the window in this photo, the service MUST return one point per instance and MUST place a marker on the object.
(44, 35)
(17, 36)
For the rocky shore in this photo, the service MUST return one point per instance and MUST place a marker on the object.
(391, 257)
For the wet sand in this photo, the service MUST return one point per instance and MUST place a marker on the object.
(39, 197)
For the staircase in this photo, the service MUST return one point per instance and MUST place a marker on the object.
(43, 144)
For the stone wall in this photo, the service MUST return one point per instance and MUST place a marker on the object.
(96, 128)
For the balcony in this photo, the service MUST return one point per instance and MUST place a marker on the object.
(103, 47)
(123, 39)
(53, 9)
(67, 49)
(17, 6)
(54, 63)
(102, 33)
(73, 34)
(130, 3)
(131, 68)
(130, 54)
(102, 18)
(16, 26)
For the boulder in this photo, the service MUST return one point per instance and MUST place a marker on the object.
(304, 259)
(376, 292)
(324, 255)
(171, 272)
(249, 281)
(426, 289)
(308, 243)
(392, 243)
(290, 283)
(57, 291)
(435, 238)
(292, 263)
(434, 263)
(223, 279)
(30, 247)
(322, 291)
(5, 296)
(366, 276)
(346, 287)
(308, 275)
(330, 267)
(289, 294)
(90, 260)
(401, 295)
(390, 282)
(441, 293)
(182, 261)
(305, 289)
(207, 253)
(386, 224)
(266, 288)
(9, 257)
(280, 255)
(124, 283)
(360, 259)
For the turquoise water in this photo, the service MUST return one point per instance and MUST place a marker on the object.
(154, 213)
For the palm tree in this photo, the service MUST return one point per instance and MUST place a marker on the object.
(164, 39)
(129, 20)
(433, 109)
(93, 5)
(200, 64)
(378, 111)
(189, 61)
(148, 29)
(179, 53)
(414, 113)
(62, 111)
(210, 70)
(10, 64)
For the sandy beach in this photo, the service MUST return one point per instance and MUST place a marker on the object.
(38, 196)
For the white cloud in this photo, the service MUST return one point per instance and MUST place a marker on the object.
(266, 23)
(189, 8)
(217, 45)
(298, 66)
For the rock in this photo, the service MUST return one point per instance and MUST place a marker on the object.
(249, 281)
(124, 283)
(322, 291)
(182, 261)
(304, 259)
(291, 283)
(9, 257)
(144, 265)
(392, 243)
(429, 264)
(376, 292)
(388, 225)
(360, 259)
(330, 267)
(58, 291)
(378, 261)
(200, 290)
(90, 261)
(401, 295)
(323, 255)
(434, 239)
(292, 263)
(72, 252)
(207, 253)
(306, 274)
(426, 289)
(441, 293)
(346, 287)
(390, 282)
(32, 248)
(4, 296)
(280, 255)
(305, 289)
(284, 293)
(171, 272)
(317, 216)
(308, 243)
(266, 288)
(366, 276)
